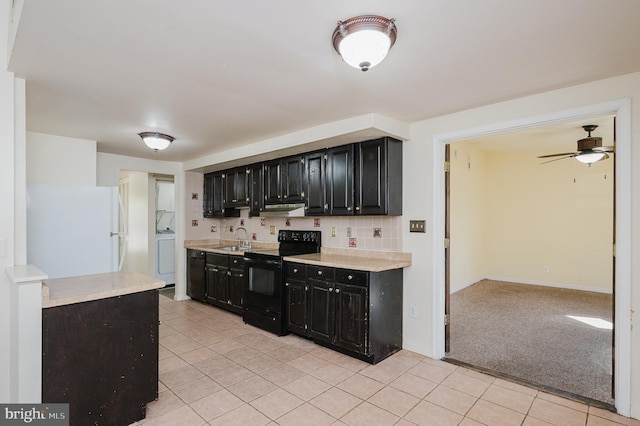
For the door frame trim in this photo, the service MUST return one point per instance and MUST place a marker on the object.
(622, 109)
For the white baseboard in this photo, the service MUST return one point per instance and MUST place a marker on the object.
(556, 285)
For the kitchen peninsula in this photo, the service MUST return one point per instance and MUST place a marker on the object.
(100, 346)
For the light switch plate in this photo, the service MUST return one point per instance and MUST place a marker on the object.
(417, 226)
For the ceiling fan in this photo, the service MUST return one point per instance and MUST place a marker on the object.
(589, 151)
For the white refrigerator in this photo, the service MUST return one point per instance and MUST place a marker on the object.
(75, 230)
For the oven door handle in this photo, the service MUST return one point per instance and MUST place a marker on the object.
(265, 262)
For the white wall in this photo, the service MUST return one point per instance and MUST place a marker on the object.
(60, 160)
(469, 211)
(7, 189)
(422, 334)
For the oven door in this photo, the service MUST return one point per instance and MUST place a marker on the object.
(263, 284)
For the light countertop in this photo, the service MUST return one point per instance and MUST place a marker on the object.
(360, 260)
(65, 291)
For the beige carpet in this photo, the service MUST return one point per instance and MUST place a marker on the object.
(525, 331)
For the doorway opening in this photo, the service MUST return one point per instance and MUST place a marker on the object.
(531, 265)
(622, 264)
(149, 202)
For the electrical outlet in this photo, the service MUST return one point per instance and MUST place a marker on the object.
(545, 268)
(272, 230)
(413, 312)
(333, 231)
(417, 226)
(348, 232)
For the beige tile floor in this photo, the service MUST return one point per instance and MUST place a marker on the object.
(216, 370)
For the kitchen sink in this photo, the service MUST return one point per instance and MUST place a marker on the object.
(233, 248)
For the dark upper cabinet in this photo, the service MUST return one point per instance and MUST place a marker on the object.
(283, 180)
(292, 179)
(256, 189)
(315, 187)
(213, 201)
(340, 168)
(207, 195)
(363, 178)
(378, 185)
(272, 191)
(236, 187)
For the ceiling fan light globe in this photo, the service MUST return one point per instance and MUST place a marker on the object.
(590, 157)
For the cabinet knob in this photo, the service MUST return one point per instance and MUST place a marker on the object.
(330, 289)
(337, 290)
(286, 284)
(358, 208)
(350, 277)
(319, 272)
(349, 208)
(295, 270)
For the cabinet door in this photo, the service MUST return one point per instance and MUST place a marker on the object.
(217, 284)
(196, 275)
(241, 186)
(292, 179)
(340, 164)
(256, 190)
(236, 283)
(315, 183)
(371, 182)
(221, 285)
(321, 320)
(272, 194)
(207, 195)
(351, 315)
(217, 203)
(297, 306)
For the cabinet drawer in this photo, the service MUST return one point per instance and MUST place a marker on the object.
(217, 259)
(348, 276)
(296, 270)
(324, 273)
(236, 262)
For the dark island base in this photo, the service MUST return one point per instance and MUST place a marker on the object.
(101, 357)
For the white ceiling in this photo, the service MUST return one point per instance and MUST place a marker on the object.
(217, 75)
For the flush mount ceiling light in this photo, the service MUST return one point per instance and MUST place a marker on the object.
(364, 41)
(156, 141)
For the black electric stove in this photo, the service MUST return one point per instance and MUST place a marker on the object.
(264, 284)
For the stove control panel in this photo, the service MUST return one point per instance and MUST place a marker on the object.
(300, 236)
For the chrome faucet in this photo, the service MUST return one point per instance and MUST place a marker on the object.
(246, 243)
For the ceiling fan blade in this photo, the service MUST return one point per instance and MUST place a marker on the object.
(603, 149)
(556, 159)
(557, 155)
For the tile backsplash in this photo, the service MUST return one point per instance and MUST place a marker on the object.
(366, 233)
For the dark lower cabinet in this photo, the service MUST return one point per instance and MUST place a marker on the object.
(236, 284)
(225, 276)
(355, 312)
(296, 290)
(101, 357)
(196, 274)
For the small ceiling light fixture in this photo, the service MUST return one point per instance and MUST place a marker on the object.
(156, 141)
(364, 41)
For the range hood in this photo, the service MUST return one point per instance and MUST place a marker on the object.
(283, 210)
